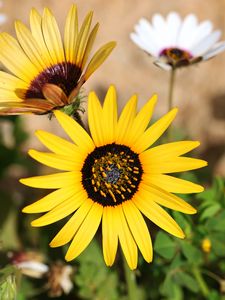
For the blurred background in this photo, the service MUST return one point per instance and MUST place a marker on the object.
(190, 269)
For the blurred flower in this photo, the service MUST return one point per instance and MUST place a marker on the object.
(112, 176)
(48, 73)
(59, 280)
(206, 245)
(30, 263)
(176, 43)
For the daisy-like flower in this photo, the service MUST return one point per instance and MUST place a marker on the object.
(174, 42)
(112, 177)
(48, 72)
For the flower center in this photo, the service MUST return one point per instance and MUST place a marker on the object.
(176, 56)
(111, 174)
(65, 75)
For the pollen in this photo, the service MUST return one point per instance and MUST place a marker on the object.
(111, 176)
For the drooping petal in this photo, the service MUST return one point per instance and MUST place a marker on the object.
(157, 215)
(86, 232)
(68, 231)
(109, 235)
(62, 210)
(162, 197)
(127, 242)
(138, 229)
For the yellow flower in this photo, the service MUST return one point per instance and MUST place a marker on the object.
(113, 177)
(48, 72)
(206, 245)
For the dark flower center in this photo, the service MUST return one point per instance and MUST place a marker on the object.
(176, 56)
(111, 174)
(65, 75)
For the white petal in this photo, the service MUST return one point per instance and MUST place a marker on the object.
(143, 43)
(186, 31)
(219, 47)
(162, 65)
(203, 30)
(206, 43)
(173, 28)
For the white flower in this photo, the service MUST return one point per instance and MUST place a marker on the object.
(175, 42)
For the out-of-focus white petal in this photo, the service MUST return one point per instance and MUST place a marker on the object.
(203, 30)
(186, 31)
(206, 43)
(173, 28)
(162, 65)
(144, 44)
(218, 48)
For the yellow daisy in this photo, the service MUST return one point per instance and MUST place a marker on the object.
(112, 177)
(48, 72)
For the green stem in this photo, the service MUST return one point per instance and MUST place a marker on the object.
(201, 282)
(130, 281)
(170, 98)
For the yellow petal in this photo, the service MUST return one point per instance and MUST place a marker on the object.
(86, 232)
(164, 198)
(53, 181)
(90, 42)
(57, 161)
(110, 116)
(167, 151)
(138, 229)
(14, 59)
(71, 34)
(109, 235)
(29, 45)
(157, 215)
(127, 242)
(57, 144)
(95, 119)
(77, 133)
(172, 184)
(142, 120)
(52, 37)
(98, 58)
(126, 120)
(83, 38)
(62, 210)
(12, 83)
(50, 201)
(37, 33)
(177, 164)
(68, 231)
(154, 132)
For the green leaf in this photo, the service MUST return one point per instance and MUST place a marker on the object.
(186, 280)
(164, 245)
(192, 253)
(210, 211)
